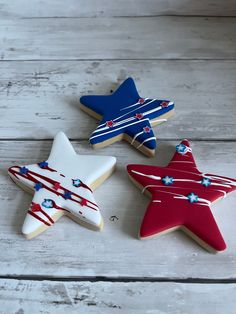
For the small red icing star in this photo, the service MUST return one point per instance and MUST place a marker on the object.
(35, 207)
(56, 186)
(185, 203)
(109, 123)
(141, 101)
(138, 116)
(146, 129)
(164, 104)
(83, 202)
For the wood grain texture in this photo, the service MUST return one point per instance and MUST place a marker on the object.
(38, 99)
(69, 250)
(106, 8)
(118, 38)
(20, 296)
(170, 57)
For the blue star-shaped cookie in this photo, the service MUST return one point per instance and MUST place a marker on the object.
(126, 115)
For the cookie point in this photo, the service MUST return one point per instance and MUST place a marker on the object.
(151, 153)
(60, 136)
(185, 142)
(10, 168)
(129, 79)
(100, 227)
(26, 232)
(82, 99)
(220, 247)
(130, 168)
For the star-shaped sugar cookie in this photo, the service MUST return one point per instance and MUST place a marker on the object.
(181, 197)
(126, 115)
(62, 185)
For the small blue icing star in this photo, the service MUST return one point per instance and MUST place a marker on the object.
(206, 182)
(47, 203)
(76, 182)
(168, 180)
(193, 198)
(125, 112)
(182, 149)
(43, 164)
(24, 170)
(38, 186)
(67, 195)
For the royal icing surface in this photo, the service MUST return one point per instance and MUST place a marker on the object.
(62, 183)
(125, 112)
(181, 196)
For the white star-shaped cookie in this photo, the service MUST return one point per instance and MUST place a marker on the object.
(62, 185)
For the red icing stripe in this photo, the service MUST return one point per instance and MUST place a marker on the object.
(39, 218)
(49, 169)
(46, 215)
(53, 182)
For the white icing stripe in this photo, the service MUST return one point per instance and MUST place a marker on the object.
(144, 113)
(100, 128)
(156, 109)
(139, 121)
(146, 175)
(195, 181)
(125, 121)
(148, 186)
(182, 161)
(147, 140)
(103, 126)
(137, 103)
(117, 118)
(158, 185)
(186, 180)
(152, 110)
(136, 135)
(219, 184)
(225, 193)
(115, 124)
(149, 102)
(182, 197)
(190, 180)
(158, 120)
(225, 180)
(60, 190)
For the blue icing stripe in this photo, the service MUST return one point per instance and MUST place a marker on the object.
(119, 114)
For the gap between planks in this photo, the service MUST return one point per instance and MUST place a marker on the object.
(117, 59)
(122, 279)
(82, 139)
(124, 16)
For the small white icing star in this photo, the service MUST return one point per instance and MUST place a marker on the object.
(193, 198)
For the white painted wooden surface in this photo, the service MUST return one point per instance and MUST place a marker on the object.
(69, 250)
(94, 8)
(160, 37)
(115, 297)
(51, 53)
(44, 96)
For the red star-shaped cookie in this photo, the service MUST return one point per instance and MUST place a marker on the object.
(181, 198)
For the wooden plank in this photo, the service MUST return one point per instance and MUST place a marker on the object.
(69, 250)
(119, 38)
(106, 8)
(23, 296)
(42, 98)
